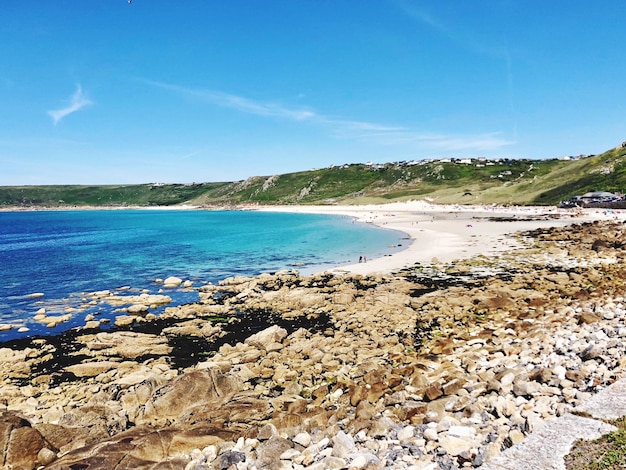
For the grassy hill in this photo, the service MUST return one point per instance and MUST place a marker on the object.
(479, 181)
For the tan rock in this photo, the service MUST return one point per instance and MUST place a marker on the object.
(137, 309)
(143, 448)
(267, 338)
(20, 442)
(91, 369)
(199, 388)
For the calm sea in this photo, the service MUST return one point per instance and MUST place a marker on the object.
(62, 254)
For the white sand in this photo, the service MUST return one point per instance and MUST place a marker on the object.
(446, 233)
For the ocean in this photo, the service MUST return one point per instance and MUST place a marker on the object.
(64, 254)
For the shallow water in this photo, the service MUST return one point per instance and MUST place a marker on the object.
(62, 254)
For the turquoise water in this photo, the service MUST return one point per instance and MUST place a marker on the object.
(65, 253)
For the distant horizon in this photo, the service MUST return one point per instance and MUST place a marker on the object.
(112, 92)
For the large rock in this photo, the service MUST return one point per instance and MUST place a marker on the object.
(142, 448)
(91, 369)
(266, 339)
(126, 344)
(100, 420)
(208, 387)
(20, 443)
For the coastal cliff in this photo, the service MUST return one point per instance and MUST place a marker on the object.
(436, 366)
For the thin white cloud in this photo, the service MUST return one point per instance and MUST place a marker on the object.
(342, 128)
(468, 39)
(489, 141)
(77, 102)
(462, 36)
(447, 142)
(239, 103)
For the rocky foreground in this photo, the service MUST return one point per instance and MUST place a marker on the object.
(437, 367)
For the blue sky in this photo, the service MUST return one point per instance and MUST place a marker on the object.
(106, 91)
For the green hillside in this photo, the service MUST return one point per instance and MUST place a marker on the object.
(475, 181)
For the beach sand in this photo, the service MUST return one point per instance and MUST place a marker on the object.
(444, 233)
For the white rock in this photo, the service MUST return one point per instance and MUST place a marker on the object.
(363, 460)
(559, 371)
(456, 445)
(172, 281)
(462, 431)
(406, 433)
(343, 445)
(303, 439)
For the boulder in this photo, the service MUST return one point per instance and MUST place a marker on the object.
(91, 369)
(267, 339)
(21, 443)
(206, 387)
(142, 448)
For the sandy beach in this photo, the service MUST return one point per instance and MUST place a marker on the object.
(444, 233)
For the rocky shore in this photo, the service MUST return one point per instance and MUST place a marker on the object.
(435, 367)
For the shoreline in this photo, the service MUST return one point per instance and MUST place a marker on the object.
(434, 233)
(445, 233)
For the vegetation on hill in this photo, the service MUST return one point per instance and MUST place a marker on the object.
(475, 181)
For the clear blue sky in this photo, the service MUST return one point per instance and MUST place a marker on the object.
(106, 91)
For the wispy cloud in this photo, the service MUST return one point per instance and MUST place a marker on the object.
(463, 37)
(77, 102)
(239, 103)
(342, 128)
(437, 141)
(470, 40)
